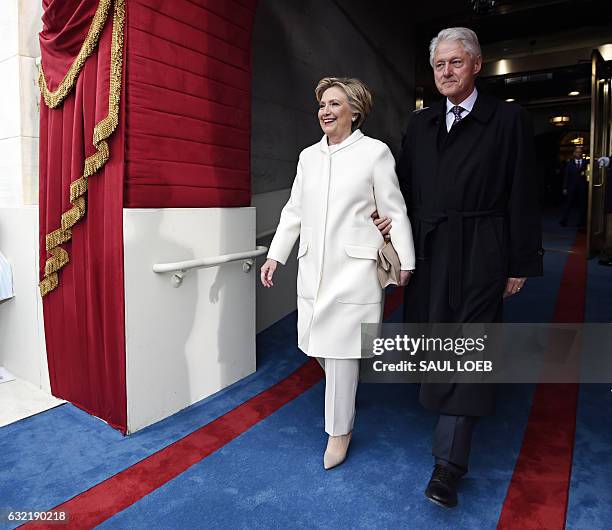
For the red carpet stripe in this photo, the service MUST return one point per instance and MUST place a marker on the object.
(538, 493)
(102, 501)
(120, 491)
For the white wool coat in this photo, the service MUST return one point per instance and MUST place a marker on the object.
(335, 191)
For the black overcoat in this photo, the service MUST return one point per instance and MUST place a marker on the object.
(574, 178)
(472, 198)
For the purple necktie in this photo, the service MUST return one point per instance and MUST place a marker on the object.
(457, 110)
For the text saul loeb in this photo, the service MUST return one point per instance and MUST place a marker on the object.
(458, 365)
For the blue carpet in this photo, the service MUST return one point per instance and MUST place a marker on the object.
(55, 455)
(590, 500)
(272, 476)
(555, 237)
(599, 293)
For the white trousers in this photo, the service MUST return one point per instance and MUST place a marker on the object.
(341, 379)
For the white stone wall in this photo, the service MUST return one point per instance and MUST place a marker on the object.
(22, 348)
(190, 341)
(20, 23)
(22, 337)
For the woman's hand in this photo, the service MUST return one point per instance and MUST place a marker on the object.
(405, 278)
(383, 224)
(267, 271)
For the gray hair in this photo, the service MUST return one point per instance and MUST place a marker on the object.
(465, 35)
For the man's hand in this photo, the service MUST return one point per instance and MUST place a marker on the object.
(603, 161)
(513, 286)
(383, 224)
(267, 271)
(405, 278)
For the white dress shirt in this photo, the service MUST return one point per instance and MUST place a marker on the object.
(467, 104)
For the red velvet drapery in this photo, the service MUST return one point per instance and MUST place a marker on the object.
(84, 314)
(182, 140)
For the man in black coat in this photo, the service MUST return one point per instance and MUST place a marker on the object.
(575, 187)
(466, 170)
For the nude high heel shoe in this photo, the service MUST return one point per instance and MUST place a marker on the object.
(337, 447)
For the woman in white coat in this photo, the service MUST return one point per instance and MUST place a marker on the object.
(340, 182)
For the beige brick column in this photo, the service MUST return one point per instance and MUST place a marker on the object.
(20, 22)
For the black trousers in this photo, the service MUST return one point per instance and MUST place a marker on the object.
(577, 198)
(453, 440)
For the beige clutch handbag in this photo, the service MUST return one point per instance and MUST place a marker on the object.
(388, 265)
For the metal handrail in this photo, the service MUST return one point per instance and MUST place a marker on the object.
(180, 268)
(209, 262)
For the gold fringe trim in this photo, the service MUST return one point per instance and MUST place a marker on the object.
(53, 99)
(102, 131)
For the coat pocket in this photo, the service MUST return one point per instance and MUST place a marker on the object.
(358, 283)
(306, 265)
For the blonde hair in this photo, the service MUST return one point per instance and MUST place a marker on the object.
(357, 93)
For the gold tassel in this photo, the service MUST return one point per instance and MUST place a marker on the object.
(53, 99)
(102, 131)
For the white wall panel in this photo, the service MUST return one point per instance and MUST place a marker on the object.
(29, 94)
(22, 342)
(30, 25)
(10, 172)
(183, 344)
(10, 117)
(9, 40)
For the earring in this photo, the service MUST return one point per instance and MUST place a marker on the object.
(354, 118)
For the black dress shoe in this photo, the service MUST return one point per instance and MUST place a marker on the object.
(442, 487)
